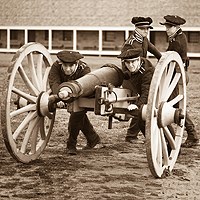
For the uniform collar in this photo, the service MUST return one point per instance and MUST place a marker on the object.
(141, 69)
(138, 36)
(178, 32)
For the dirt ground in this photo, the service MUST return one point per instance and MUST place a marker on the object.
(117, 171)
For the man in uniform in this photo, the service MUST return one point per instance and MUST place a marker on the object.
(70, 67)
(138, 38)
(138, 73)
(178, 43)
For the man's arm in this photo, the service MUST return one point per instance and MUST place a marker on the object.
(145, 85)
(54, 78)
(152, 49)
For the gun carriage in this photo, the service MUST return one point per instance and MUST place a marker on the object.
(28, 109)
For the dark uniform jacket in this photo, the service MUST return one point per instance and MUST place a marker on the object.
(140, 82)
(57, 75)
(137, 41)
(178, 43)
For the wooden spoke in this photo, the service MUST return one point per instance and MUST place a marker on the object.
(169, 75)
(28, 97)
(25, 133)
(164, 148)
(27, 108)
(33, 71)
(45, 78)
(176, 100)
(39, 70)
(172, 86)
(34, 138)
(30, 116)
(42, 129)
(28, 133)
(167, 93)
(28, 83)
(169, 137)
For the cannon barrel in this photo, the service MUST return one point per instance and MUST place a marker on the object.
(85, 86)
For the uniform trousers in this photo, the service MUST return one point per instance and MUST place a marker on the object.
(79, 121)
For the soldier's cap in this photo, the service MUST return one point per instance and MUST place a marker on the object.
(173, 20)
(128, 52)
(142, 22)
(69, 56)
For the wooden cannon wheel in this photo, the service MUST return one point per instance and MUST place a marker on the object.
(25, 132)
(165, 114)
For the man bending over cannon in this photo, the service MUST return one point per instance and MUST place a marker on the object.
(138, 72)
(70, 67)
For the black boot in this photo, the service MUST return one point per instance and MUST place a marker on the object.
(192, 138)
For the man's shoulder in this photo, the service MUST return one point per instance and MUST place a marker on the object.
(130, 40)
(148, 66)
(82, 69)
(181, 36)
(146, 61)
(83, 65)
(55, 65)
(133, 39)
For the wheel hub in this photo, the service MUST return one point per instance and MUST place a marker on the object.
(168, 115)
(42, 105)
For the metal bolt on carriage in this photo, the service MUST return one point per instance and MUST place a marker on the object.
(28, 107)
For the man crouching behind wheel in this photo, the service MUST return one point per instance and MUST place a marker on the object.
(138, 74)
(70, 67)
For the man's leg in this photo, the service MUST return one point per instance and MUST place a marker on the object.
(192, 137)
(132, 131)
(88, 130)
(74, 126)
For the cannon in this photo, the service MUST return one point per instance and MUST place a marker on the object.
(28, 107)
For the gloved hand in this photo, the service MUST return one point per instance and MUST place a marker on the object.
(61, 104)
(132, 107)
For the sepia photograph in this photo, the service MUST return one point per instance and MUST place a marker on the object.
(99, 100)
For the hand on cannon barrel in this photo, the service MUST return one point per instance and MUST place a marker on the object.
(63, 94)
(132, 107)
(61, 104)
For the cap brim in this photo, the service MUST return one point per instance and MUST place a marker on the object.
(145, 26)
(168, 23)
(162, 23)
